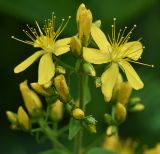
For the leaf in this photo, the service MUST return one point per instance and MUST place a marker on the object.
(86, 91)
(99, 151)
(54, 151)
(74, 128)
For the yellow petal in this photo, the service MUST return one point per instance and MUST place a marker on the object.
(95, 56)
(132, 50)
(109, 78)
(132, 76)
(62, 42)
(62, 50)
(100, 38)
(26, 63)
(46, 69)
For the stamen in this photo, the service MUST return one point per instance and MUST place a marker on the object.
(114, 30)
(27, 33)
(141, 63)
(26, 42)
(121, 38)
(62, 27)
(128, 35)
(40, 31)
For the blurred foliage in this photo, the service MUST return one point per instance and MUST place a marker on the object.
(15, 14)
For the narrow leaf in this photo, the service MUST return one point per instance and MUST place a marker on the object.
(99, 151)
(74, 128)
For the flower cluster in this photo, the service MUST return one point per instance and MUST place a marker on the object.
(90, 47)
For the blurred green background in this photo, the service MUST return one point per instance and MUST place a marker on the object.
(15, 14)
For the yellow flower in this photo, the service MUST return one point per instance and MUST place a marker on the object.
(46, 39)
(118, 52)
(118, 146)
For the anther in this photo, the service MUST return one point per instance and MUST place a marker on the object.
(114, 19)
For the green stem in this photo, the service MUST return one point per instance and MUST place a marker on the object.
(79, 138)
(51, 135)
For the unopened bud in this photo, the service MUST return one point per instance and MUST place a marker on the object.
(84, 21)
(135, 100)
(98, 82)
(14, 127)
(23, 118)
(61, 87)
(69, 107)
(40, 89)
(98, 23)
(76, 46)
(31, 100)
(120, 113)
(124, 92)
(111, 143)
(108, 119)
(111, 130)
(77, 103)
(60, 69)
(56, 111)
(48, 84)
(138, 107)
(12, 117)
(78, 114)
(91, 128)
(89, 69)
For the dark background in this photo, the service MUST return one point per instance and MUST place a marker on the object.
(15, 14)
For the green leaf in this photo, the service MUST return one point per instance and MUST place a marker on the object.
(99, 151)
(54, 151)
(74, 128)
(86, 91)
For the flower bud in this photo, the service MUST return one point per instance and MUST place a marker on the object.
(137, 107)
(135, 100)
(69, 107)
(48, 84)
(56, 111)
(23, 118)
(111, 143)
(120, 113)
(31, 100)
(78, 114)
(124, 92)
(61, 87)
(98, 82)
(89, 69)
(12, 117)
(111, 130)
(60, 69)
(84, 21)
(91, 128)
(40, 89)
(108, 119)
(76, 46)
(98, 23)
